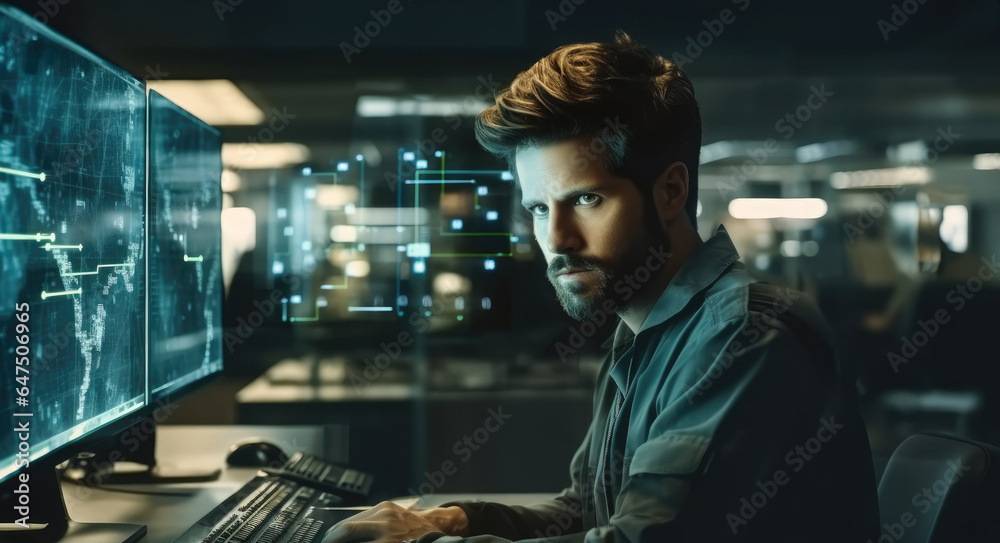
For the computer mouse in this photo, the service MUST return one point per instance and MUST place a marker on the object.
(256, 453)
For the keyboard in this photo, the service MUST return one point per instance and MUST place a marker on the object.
(270, 509)
(350, 484)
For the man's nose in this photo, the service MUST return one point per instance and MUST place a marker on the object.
(563, 232)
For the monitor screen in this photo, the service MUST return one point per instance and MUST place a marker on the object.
(185, 248)
(72, 234)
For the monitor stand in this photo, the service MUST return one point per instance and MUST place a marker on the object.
(34, 511)
(109, 463)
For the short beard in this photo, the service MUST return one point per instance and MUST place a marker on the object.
(610, 276)
(575, 302)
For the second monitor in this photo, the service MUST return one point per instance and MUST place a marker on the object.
(185, 265)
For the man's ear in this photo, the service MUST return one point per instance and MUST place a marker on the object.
(670, 193)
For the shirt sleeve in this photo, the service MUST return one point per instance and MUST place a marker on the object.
(513, 522)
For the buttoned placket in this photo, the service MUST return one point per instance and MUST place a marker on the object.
(606, 453)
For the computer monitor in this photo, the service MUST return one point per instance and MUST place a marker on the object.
(72, 263)
(185, 249)
(185, 294)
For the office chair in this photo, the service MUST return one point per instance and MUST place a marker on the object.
(939, 488)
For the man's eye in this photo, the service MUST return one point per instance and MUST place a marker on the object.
(587, 199)
(538, 210)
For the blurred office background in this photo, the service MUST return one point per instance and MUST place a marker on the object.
(382, 276)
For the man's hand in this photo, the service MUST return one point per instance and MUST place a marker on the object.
(391, 523)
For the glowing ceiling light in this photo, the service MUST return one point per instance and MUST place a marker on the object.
(218, 102)
(261, 156)
(778, 208)
(986, 161)
(882, 177)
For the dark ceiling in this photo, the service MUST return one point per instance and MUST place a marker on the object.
(938, 67)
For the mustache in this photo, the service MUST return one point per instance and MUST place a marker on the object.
(565, 262)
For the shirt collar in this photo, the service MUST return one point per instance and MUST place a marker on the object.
(704, 268)
(701, 270)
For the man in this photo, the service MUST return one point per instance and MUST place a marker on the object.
(721, 412)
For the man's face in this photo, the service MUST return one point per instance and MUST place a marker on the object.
(589, 223)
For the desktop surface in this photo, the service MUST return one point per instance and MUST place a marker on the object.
(169, 510)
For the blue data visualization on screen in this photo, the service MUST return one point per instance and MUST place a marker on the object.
(185, 246)
(72, 197)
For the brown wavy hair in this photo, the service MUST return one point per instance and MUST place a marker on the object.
(637, 108)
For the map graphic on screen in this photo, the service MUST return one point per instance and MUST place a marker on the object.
(185, 248)
(72, 267)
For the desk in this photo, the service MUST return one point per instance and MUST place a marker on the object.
(169, 510)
